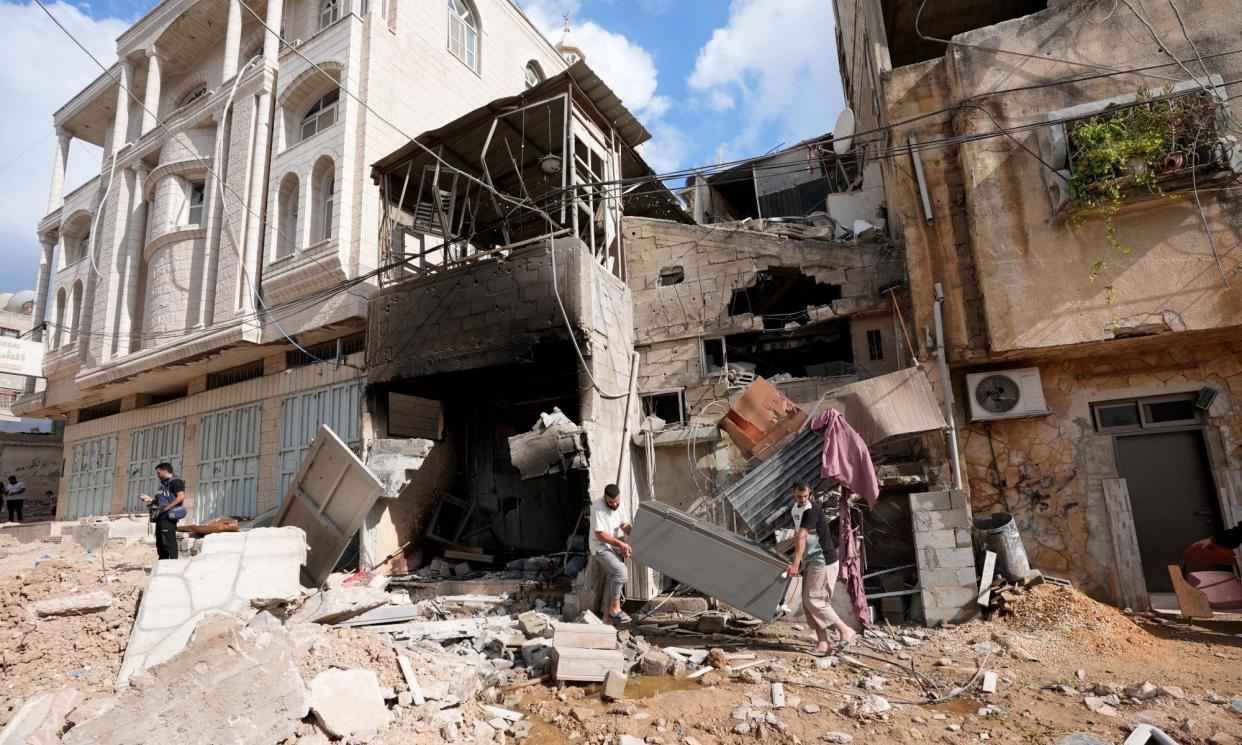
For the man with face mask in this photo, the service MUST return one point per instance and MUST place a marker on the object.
(607, 526)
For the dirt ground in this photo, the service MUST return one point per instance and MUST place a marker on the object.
(1076, 645)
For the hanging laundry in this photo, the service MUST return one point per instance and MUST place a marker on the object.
(846, 457)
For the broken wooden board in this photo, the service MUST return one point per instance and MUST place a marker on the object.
(585, 665)
(1190, 601)
(407, 671)
(985, 579)
(584, 636)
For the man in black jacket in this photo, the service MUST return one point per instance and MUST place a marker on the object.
(1229, 538)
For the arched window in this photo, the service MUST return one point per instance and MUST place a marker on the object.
(534, 74)
(323, 200)
(329, 12)
(193, 95)
(321, 114)
(287, 225)
(75, 319)
(59, 318)
(463, 33)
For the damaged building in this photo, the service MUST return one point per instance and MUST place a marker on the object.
(1092, 321)
(505, 334)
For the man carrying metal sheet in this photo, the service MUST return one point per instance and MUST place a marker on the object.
(815, 560)
(607, 526)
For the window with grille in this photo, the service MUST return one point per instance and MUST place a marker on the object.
(248, 371)
(321, 114)
(99, 411)
(328, 351)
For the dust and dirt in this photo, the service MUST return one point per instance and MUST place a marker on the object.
(79, 652)
(1054, 608)
(353, 648)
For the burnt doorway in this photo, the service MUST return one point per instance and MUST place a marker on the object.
(1172, 496)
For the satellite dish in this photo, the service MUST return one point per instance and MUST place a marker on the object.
(843, 132)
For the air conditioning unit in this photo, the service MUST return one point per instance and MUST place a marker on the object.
(1006, 394)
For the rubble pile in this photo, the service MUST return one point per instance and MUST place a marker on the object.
(1054, 607)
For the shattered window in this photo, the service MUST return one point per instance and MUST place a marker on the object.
(668, 406)
(713, 356)
(875, 345)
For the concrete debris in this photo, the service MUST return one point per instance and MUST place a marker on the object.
(655, 662)
(233, 573)
(990, 680)
(585, 665)
(339, 604)
(222, 682)
(584, 636)
(534, 623)
(554, 445)
(348, 703)
(1215, 698)
(40, 720)
(839, 737)
(1081, 738)
(870, 706)
(395, 461)
(614, 685)
(73, 605)
(778, 696)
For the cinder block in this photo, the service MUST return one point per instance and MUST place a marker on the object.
(944, 520)
(935, 539)
(930, 501)
(965, 539)
(944, 558)
(958, 498)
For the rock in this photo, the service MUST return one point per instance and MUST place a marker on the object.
(90, 709)
(987, 648)
(1220, 738)
(741, 713)
(582, 713)
(810, 708)
(1081, 738)
(614, 685)
(348, 703)
(73, 605)
(1022, 654)
(1215, 698)
(713, 623)
(873, 705)
(873, 683)
(40, 720)
(625, 710)
(750, 676)
(630, 740)
(1106, 689)
(826, 663)
(910, 641)
(1081, 675)
(536, 652)
(944, 662)
(954, 728)
(836, 737)
(655, 662)
(741, 728)
(711, 679)
(1172, 692)
(534, 623)
(1143, 691)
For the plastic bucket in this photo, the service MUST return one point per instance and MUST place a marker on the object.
(1000, 535)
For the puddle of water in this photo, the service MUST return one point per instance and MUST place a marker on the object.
(542, 733)
(959, 706)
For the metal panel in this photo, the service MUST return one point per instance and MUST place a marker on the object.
(762, 494)
(329, 498)
(148, 447)
(302, 414)
(889, 406)
(228, 466)
(92, 465)
(712, 560)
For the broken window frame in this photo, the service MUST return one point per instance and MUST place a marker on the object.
(875, 345)
(709, 369)
(649, 396)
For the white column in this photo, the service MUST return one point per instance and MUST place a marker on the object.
(127, 325)
(271, 39)
(120, 124)
(59, 162)
(248, 278)
(40, 307)
(151, 101)
(232, 39)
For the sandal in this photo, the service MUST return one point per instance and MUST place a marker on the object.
(620, 618)
(846, 643)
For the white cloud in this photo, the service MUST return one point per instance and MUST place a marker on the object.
(776, 61)
(42, 70)
(666, 151)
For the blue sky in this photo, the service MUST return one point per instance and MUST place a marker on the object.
(711, 79)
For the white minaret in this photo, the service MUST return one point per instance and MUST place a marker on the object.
(566, 46)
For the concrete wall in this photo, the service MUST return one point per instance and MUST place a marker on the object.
(36, 460)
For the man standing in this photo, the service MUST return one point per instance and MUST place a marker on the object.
(815, 559)
(17, 498)
(607, 526)
(166, 510)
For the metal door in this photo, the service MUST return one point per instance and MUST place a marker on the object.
(1172, 496)
(228, 470)
(302, 414)
(148, 447)
(92, 465)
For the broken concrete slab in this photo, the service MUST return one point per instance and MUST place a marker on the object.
(348, 704)
(73, 605)
(222, 683)
(554, 445)
(233, 573)
(614, 685)
(534, 623)
(339, 604)
(585, 665)
(40, 720)
(395, 461)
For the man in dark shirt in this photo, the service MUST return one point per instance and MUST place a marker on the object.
(166, 510)
(17, 497)
(815, 560)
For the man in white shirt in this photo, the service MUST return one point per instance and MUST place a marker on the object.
(607, 526)
(17, 497)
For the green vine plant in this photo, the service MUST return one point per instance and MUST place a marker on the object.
(1126, 151)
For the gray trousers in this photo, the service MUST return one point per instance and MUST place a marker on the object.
(615, 575)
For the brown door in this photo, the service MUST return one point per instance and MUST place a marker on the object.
(1171, 492)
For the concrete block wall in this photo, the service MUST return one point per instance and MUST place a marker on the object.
(945, 555)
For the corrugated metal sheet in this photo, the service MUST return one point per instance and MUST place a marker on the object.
(148, 447)
(228, 465)
(762, 494)
(91, 467)
(712, 560)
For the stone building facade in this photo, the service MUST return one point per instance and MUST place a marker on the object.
(1130, 316)
(233, 226)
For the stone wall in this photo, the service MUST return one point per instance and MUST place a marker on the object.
(1048, 471)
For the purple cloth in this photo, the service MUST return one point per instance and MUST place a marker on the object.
(846, 457)
(851, 564)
